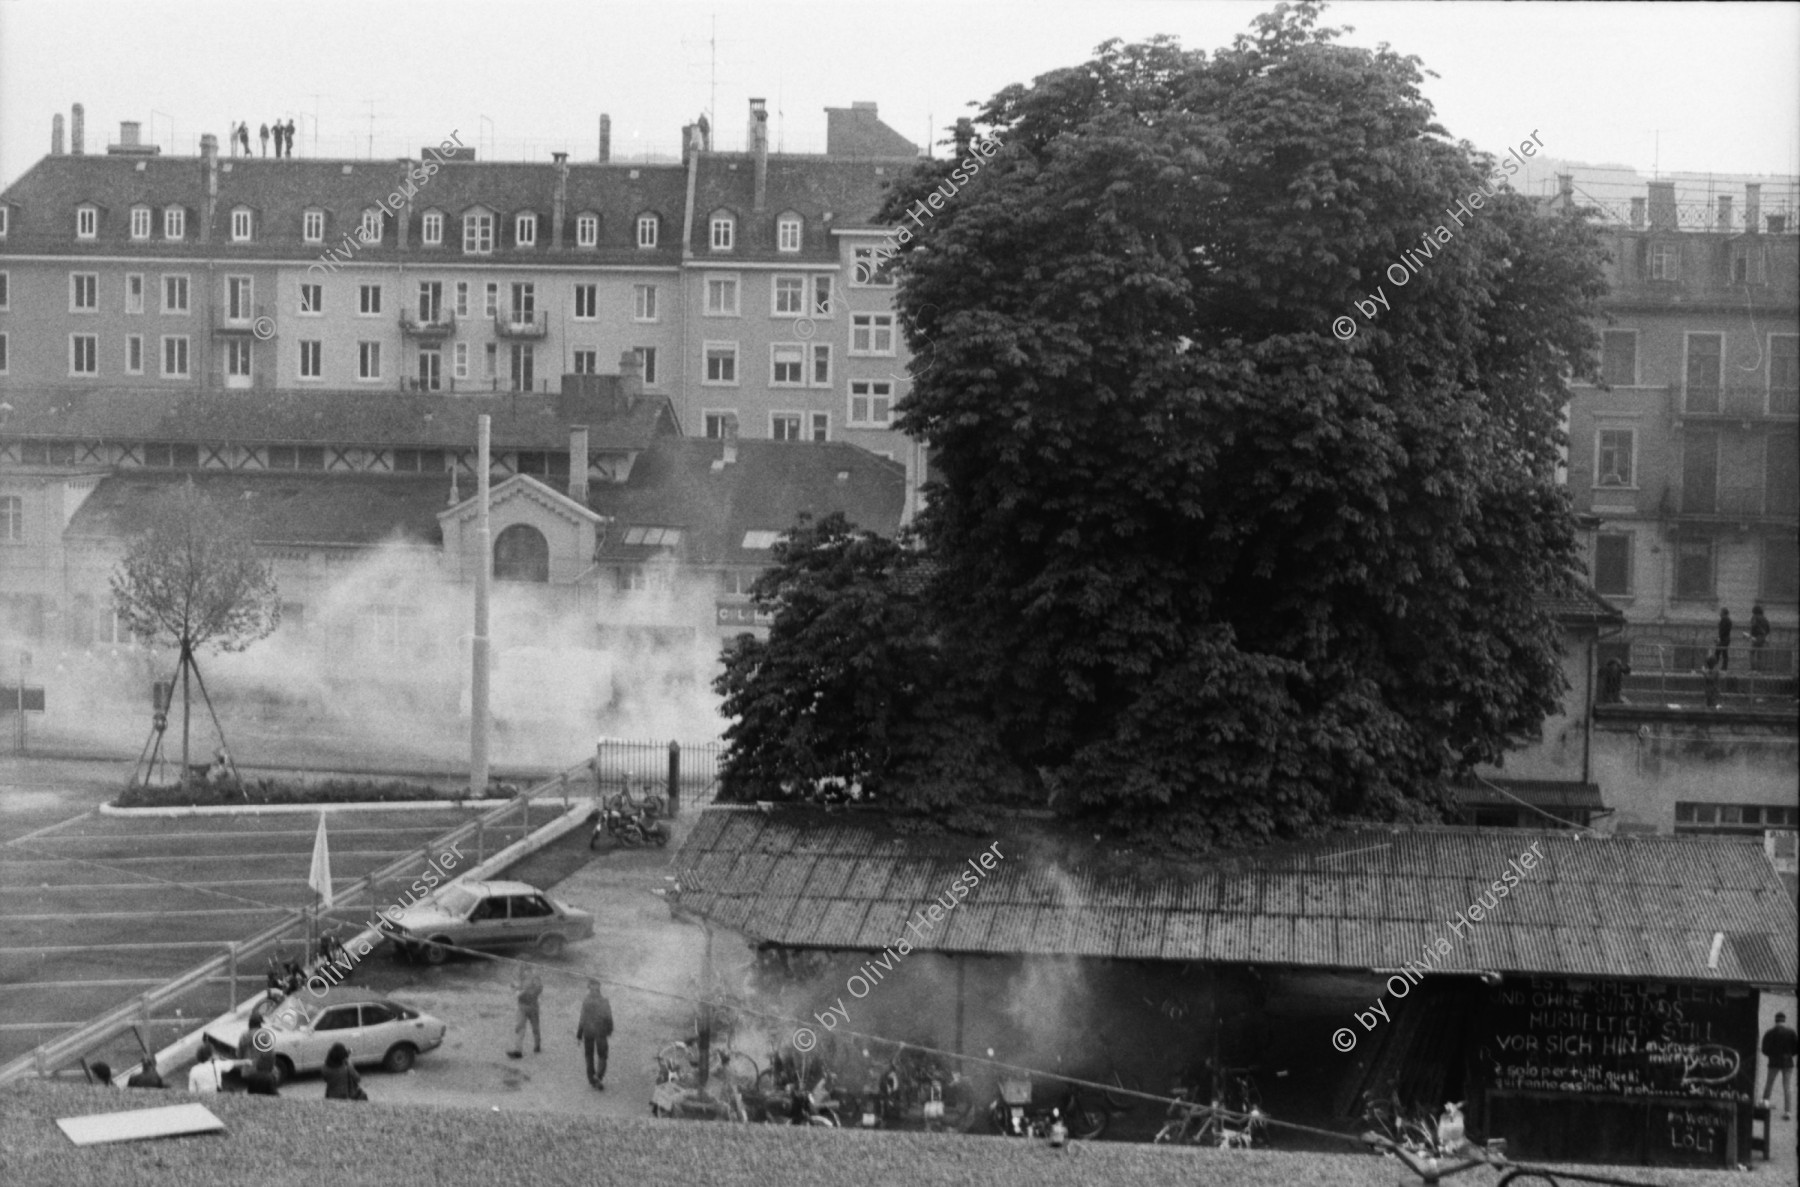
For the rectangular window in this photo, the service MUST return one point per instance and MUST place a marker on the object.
(790, 296)
(821, 364)
(587, 298)
(784, 426)
(646, 230)
(84, 354)
(84, 292)
(1694, 568)
(524, 304)
(1781, 569)
(459, 364)
(721, 363)
(6, 293)
(238, 362)
(787, 235)
(431, 369)
(1749, 266)
(1612, 564)
(240, 226)
(873, 267)
(647, 363)
(721, 296)
(821, 302)
(587, 362)
(368, 300)
(1781, 473)
(87, 222)
(523, 355)
(1614, 457)
(368, 360)
(175, 294)
(431, 302)
(821, 426)
(462, 298)
(525, 230)
(1665, 262)
(1705, 354)
(174, 223)
(134, 292)
(237, 299)
(871, 403)
(419, 461)
(134, 354)
(167, 457)
(587, 230)
(478, 234)
(311, 359)
(12, 518)
(872, 333)
(720, 424)
(490, 306)
(370, 231)
(175, 357)
(1700, 473)
(3, 354)
(1784, 371)
(493, 361)
(312, 226)
(431, 229)
(723, 233)
(296, 457)
(140, 223)
(1618, 358)
(643, 302)
(787, 365)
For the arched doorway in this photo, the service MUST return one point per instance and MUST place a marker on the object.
(521, 554)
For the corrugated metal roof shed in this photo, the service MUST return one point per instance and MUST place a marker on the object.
(1637, 907)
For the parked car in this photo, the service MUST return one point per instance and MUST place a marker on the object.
(375, 1029)
(490, 915)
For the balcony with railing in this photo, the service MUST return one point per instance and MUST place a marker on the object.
(1745, 403)
(440, 326)
(251, 320)
(522, 324)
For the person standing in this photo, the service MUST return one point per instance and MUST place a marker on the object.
(1710, 680)
(594, 1030)
(265, 139)
(1778, 1046)
(530, 988)
(290, 139)
(1759, 636)
(243, 132)
(1724, 651)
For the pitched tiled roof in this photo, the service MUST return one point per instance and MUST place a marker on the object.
(329, 509)
(522, 421)
(1582, 605)
(677, 484)
(1638, 907)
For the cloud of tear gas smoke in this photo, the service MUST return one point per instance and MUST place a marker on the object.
(372, 661)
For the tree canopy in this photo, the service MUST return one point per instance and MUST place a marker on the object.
(1198, 560)
(193, 578)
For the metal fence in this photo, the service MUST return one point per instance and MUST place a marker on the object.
(688, 774)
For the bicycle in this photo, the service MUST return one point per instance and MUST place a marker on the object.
(1232, 1119)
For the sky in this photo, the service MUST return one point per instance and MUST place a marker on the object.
(1654, 86)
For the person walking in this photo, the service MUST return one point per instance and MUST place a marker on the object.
(530, 988)
(265, 139)
(593, 1031)
(341, 1079)
(1724, 651)
(1779, 1045)
(1759, 636)
(1709, 679)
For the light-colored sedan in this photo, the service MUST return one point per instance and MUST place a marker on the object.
(491, 915)
(303, 1027)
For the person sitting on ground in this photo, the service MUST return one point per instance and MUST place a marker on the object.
(146, 1076)
(101, 1071)
(208, 1072)
(341, 1079)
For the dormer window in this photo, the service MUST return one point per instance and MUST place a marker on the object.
(478, 233)
(312, 226)
(175, 223)
(431, 229)
(787, 233)
(87, 222)
(370, 232)
(140, 222)
(587, 230)
(724, 232)
(525, 230)
(240, 225)
(4, 220)
(646, 230)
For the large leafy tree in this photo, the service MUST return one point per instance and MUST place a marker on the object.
(1201, 560)
(192, 578)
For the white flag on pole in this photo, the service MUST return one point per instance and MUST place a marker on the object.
(320, 877)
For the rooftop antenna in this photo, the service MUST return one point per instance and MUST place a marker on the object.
(712, 50)
(372, 118)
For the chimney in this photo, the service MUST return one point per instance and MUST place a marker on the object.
(1565, 188)
(1724, 212)
(403, 208)
(128, 133)
(560, 203)
(77, 130)
(759, 148)
(578, 463)
(631, 379)
(1637, 214)
(1662, 206)
(56, 135)
(131, 143)
(1752, 207)
(605, 139)
(209, 155)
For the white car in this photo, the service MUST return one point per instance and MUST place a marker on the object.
(490, 915)
(374, 1029)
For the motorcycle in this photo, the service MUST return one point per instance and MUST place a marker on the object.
(629, 827)
(1024, 1109)
(786, 1100)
